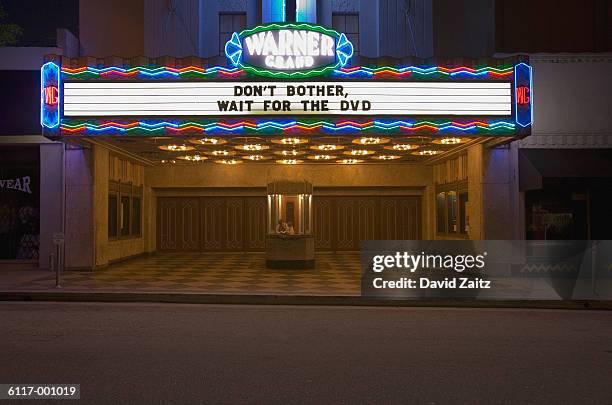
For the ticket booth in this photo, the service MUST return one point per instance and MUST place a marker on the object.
(290, 242)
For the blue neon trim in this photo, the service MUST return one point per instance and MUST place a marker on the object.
(52, 67)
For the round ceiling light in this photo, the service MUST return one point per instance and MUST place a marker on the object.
(289, 161)
(349, 161)
(228, 161)
(321, 157)
(427, 152)
(176, 148)
(370, 140)
(193, 158)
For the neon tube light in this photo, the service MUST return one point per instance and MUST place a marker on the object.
(289, 125)
(164, 72)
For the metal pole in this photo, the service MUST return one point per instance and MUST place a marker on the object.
(58, 265)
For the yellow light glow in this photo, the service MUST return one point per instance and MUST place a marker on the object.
(359, 152)
(208, 141)
(193, 158)
(401, 147)
(176, 148)
(289, 161)
(327, 147)
(255, 157)
(228, 161)
(448, 141)
(252, 147)
(290, 141)
(387, 157)
(321, 157)
(370, 140)
(349, 161)
(222, 152)
(426, 152)
(290, 152)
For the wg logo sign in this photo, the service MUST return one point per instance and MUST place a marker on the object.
(289, 50)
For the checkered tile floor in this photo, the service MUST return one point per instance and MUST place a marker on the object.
(335, 274)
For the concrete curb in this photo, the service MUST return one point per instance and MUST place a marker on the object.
(195, 298)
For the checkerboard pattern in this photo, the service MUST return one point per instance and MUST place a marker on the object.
(232, 273)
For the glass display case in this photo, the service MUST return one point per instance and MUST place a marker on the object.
(290, 243)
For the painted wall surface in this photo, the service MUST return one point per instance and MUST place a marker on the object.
(111, 27)
(111, 250)
(79, 234)
(249, 175)
(51, 195)
(572, 101)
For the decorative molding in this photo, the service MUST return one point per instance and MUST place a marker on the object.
(567, 141)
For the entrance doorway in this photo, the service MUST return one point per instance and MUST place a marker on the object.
(238, 224)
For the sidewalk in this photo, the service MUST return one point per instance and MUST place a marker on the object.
(243, 279)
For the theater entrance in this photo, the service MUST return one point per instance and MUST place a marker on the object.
(238, 224)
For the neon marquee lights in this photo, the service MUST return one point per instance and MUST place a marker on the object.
(50, 95)
(218, 71)
(262, 126)
(287, 50)
(523, 98)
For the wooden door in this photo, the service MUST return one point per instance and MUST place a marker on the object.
(178, 224)
(342, 222)
(255, 223)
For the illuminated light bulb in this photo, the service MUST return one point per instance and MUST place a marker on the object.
(450, 141)
(194, 158)
(426, 152)
(221, 153)
(369, 141)
(254, 157)
(208, 141)
(176, 148)
(328, 147)
(291, 141)
(252, 147)
(289, 161)
(359, 152)
(168, 161)
(349, 161)
(228, 161)
(402, 146)
(387, 157)
(321, 157)
(291, 152)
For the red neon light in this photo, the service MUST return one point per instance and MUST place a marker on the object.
(522, 95)
(51, 95)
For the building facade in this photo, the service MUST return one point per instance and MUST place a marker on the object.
(115, 196)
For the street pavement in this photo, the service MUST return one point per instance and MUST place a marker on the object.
(192, 354)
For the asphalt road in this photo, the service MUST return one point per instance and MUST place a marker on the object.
(191, 354)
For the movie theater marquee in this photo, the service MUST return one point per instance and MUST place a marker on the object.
(289, 70)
